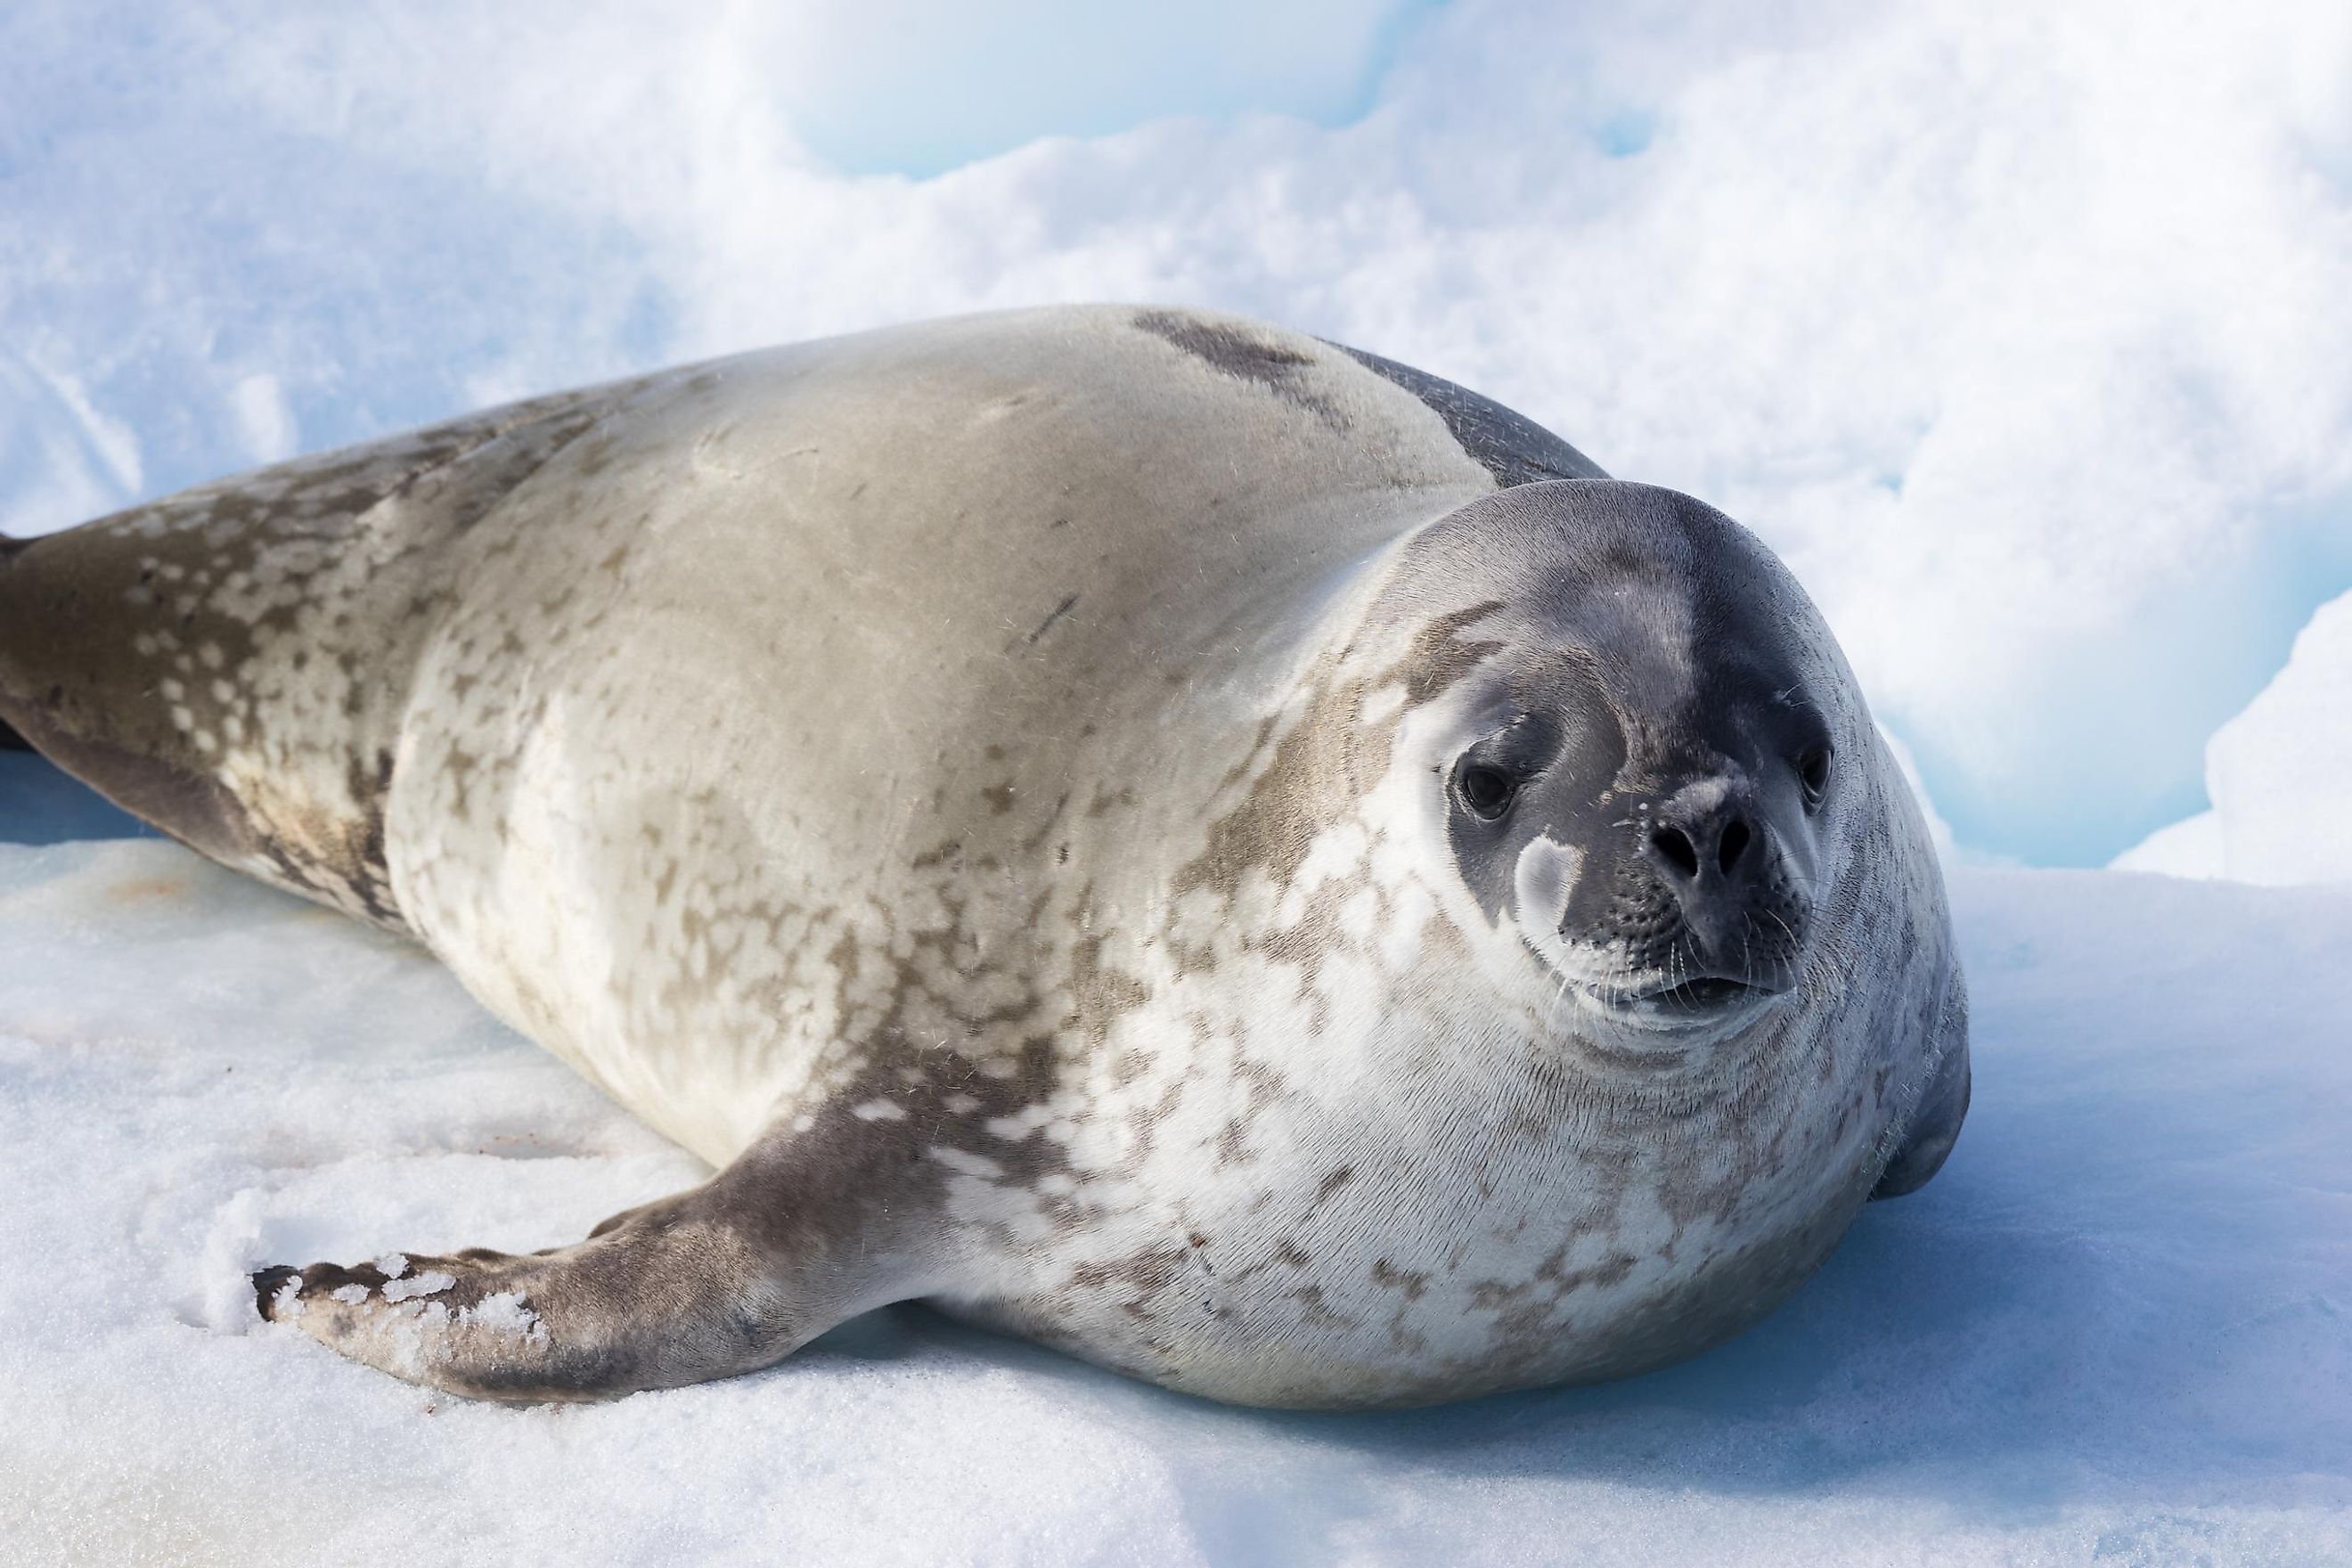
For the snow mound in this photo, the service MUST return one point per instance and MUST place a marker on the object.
(2189, 847)
(2118, 1325)
(2278, 771)
(2277, 774)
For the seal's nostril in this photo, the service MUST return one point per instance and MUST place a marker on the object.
(1675, 845)
(1736, 836)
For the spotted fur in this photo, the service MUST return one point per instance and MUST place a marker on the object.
(982, 785)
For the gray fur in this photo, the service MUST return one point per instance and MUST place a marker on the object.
(996, 789)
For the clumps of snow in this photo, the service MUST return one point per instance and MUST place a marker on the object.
(2114, 1327)
(2277, 774)
(350, 1295)
(222, 1299)
(391, 1265)
(432, 1282)
(505, 1313)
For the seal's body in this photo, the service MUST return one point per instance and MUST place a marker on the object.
(1211, 850)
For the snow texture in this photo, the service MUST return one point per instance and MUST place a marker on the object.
(2019, 330)
(2280, 776)
(2189, 847)
(2117, 1326)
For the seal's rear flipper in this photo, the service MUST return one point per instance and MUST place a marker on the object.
(233, 664)
(718, 1281)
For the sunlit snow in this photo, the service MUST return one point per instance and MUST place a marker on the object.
(2280, 776)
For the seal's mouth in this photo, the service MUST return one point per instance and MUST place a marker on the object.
(1709, 993)
(1701, 1001)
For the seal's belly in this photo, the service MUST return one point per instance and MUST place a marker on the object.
(1410, 1279)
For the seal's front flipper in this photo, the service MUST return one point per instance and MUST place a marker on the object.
(1935, 1125)
(712, 1282)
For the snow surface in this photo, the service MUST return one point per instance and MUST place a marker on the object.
(2117, 1326)
(2280, 776)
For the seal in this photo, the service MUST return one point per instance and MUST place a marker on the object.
(1202, 847)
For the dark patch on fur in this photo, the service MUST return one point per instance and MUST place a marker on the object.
(1322, 764)
(1306, 783)
(1230, 350)
(1064, 608)
(1506, 443)
(1441, 656)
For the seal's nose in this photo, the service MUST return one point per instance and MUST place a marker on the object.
(1719, 838)
(1708, 845)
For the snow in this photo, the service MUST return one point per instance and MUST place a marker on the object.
(2280, 776)
(2281, 772)
(2189, 847)
(2118, 1325)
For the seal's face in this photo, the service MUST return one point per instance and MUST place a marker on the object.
(1663, 869)
(1633, 776)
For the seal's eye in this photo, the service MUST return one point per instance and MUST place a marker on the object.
(1486, 789)
(1813, 772)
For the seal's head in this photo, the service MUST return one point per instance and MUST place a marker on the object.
(1633, 747)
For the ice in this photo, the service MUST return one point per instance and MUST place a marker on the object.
(2117, 1326)
(2280, 776)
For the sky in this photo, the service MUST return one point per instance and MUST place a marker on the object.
(2024, 334)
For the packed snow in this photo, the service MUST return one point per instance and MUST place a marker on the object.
(2117, 1326)
(2280, 776)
